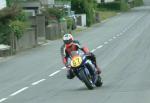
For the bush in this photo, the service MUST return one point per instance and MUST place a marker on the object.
(5, 32)
(84, 6)
(110, 6)
(12, 20)
(54, 13)
(9, 13)
(124, 6)
(138, 2)
(69, 23)
(17, 28)
(116, 6)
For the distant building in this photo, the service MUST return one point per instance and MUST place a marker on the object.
(2, 4)
(32, 8)
(104, 1)
(46, 2)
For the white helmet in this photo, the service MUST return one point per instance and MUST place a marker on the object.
(68, 38)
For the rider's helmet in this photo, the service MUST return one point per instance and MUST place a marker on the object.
(68, 39)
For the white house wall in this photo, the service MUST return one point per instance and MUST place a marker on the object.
(51, 1)
(47, 1)
(109, 0)
(99, 1)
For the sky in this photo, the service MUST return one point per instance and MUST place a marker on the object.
(2, 4)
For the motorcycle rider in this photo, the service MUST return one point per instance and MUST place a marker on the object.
(71, 45)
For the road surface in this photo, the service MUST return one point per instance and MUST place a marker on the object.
(122, 47)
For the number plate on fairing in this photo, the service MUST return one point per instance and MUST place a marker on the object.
(76, 61)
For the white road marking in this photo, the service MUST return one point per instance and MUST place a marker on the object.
(37, 82)
(118, 35)
(54, 73)
(110, 40)
(127, 29)
(114, 37)
(19, 91)
(121, 33)
(63, 68)
(106, 42)
(99, 46)
(93, 50)
(124, 30)
(3, 99)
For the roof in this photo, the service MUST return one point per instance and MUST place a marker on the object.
(30, 4)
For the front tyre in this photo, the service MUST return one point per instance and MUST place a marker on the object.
(86, 79)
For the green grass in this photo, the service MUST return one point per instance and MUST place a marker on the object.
(107, 14)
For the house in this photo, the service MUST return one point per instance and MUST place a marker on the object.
(32, 8)
(47, 2)
(2, 4)
(104, 1)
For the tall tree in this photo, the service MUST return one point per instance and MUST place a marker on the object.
(84, 6)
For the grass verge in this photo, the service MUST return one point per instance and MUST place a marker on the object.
(107, 14)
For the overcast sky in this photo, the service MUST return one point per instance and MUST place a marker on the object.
(2, 4)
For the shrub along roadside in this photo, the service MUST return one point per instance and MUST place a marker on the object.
(85, 6)
(138, 2)
(118, 5)
(12, 20)
(112, 6)
(106, 14)
(69, 23)
(53, 13)
(124, 6)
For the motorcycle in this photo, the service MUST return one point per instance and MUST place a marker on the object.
(84, 69)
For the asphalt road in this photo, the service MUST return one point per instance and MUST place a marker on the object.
(122, 47)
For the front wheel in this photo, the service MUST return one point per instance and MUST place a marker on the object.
(86, 79)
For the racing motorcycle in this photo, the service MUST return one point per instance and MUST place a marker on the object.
(84, 69)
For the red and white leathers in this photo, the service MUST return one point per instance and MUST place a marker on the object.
(66, 49)
(73, 46)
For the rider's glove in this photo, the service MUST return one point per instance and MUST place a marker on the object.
(67, 65)
(88, 54)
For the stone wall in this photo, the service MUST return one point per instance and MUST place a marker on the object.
(56, 30)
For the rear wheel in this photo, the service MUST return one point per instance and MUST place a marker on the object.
(86, 79)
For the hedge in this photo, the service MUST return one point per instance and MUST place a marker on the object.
(116, 6)
(110, 6)
(138, 2)
(84, 6)
(12, 20)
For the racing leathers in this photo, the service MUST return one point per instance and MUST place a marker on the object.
(66, 51)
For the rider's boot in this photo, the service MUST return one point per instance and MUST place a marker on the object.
(70, 74)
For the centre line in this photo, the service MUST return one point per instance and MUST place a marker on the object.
(3, 99)
(19, 91)
(99, 46)
(37, 82)
(54, 73)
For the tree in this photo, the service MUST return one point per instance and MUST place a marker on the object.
(85, 6)
(12, 20)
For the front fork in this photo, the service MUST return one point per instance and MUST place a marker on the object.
(86, 71)
(92, 71)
